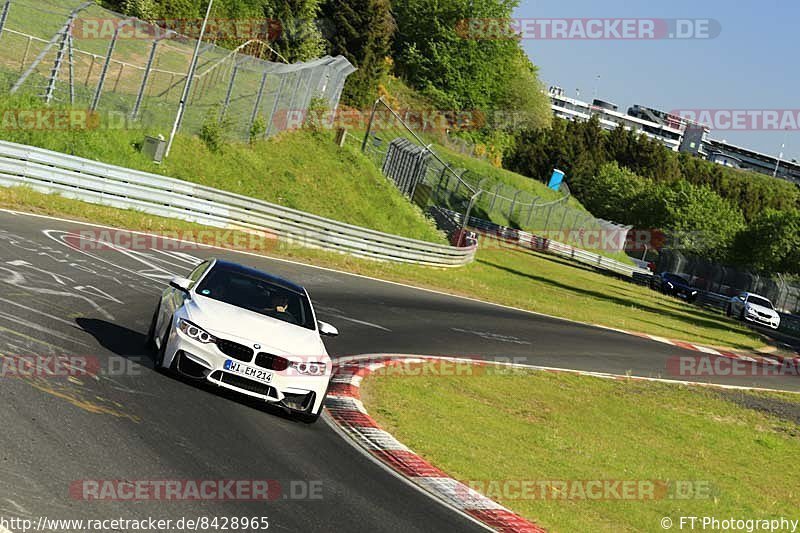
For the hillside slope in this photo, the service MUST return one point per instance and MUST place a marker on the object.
(304, 170)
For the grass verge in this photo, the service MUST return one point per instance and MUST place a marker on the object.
(503, 275)
(726, 447)
(301, 169)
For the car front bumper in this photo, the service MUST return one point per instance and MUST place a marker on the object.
(762, 320)
(205, 362)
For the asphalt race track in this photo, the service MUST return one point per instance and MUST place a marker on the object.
(133, 423)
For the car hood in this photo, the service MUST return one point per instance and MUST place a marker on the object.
(762, 309)
(234, 323)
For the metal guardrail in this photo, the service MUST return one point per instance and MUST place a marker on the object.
(100, 183)
(537, 243)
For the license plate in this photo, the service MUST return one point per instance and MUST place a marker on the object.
(247, 371)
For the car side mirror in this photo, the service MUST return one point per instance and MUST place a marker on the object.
(327, 330)
(182, 284)
(741, 298)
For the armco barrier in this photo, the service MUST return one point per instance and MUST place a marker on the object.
(99, 183)
(534, 242)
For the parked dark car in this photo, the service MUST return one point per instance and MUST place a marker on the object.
(678, 285)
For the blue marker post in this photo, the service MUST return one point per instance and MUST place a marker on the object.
(556, 179)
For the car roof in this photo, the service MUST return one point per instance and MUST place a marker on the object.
(755, 294)
(276, 280)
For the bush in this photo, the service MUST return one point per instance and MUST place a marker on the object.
(214, 131)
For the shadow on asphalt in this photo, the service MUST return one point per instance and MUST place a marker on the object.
(626, 302)
(115, 338)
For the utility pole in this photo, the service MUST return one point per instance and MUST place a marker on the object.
(189, 77)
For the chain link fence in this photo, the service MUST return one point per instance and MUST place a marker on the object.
(134, 73)
(438, 183)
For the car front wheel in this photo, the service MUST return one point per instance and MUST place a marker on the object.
(150, 342)
(162, 350)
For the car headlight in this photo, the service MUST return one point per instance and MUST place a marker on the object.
(309, 368)
(193, 331)
(749, 310)
(670, 285)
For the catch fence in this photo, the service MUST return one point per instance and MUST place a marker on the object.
(133, 73)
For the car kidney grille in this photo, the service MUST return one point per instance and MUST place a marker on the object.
(235, 350)
(271, 362)
(245, 384)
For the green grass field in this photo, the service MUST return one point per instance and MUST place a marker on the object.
(526, 280)
(722, 451)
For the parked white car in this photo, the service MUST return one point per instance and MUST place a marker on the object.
(754, 308)
(244, 330)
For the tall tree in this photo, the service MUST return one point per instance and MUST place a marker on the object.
(436, 51)
(361, 31)
(300, 38)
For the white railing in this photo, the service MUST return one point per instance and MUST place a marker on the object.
(535, 242)
(100, 183)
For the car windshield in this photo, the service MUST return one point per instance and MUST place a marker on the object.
(257, 294)
(757, 300)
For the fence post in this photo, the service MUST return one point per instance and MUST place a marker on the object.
(442, 176)
(64, 29)
(146, 75)
(307, 97)
(4, 16)
(530, 212)
(25, 54)
(547, 220)
(106, 63)
(229, 92)
(561, 224)
(369, 124)
(494, 198)
(299, 75)
(89, 72)
(513, 204)
(260, 94)
(71, 70)
(274, 105)
(119, 75)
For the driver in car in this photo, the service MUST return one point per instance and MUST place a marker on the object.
(279, 308)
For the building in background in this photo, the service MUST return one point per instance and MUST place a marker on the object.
(735, 156)
(668, 133)
(673, 131)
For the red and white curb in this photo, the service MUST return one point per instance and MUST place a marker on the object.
(344, 406)
(346, 411)
(772, 360)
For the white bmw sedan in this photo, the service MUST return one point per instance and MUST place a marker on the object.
(244, 330)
